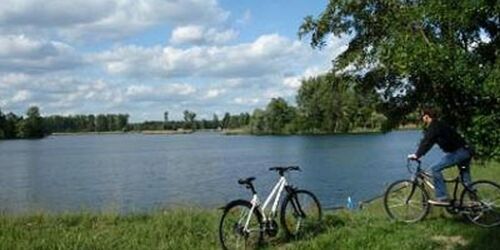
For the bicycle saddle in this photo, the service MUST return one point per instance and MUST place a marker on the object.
(246, 181)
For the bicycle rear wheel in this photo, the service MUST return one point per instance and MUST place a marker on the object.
(482, 202)
(300, 212)
(231, 228)
(406, 201)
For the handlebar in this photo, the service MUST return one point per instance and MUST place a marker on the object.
(408, 164)
(282, 169)
(417, 160)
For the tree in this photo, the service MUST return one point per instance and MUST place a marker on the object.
(32, 126)
(11, 125)
(2, 125)
(258, 122)
(309, 104)
(278, 115)
(165, 120)
(189, 120)
(422, 53)
(101, 123)
(91, 123)
(331, 103)
(123, 121)
(225, 120)
(244, 119)
(215, 121)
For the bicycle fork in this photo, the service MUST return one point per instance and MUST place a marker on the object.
(297, 208)
(413, 187)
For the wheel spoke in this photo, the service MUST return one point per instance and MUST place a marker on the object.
(299, 212)
(233, 234)
(403, 201)
(298, 225)
(397, 205)
(477, 217)
(486, 213)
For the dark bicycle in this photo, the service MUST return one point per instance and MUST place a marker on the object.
(408, 200)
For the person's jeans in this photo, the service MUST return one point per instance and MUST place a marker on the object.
(460, 156)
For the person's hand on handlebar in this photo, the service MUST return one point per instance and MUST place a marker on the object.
(412, 157)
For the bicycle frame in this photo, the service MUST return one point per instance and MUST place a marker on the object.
(425, 179)
(276, 193)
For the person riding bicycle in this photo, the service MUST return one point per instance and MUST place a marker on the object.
(456, 149)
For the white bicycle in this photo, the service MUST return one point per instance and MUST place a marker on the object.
(244, 223)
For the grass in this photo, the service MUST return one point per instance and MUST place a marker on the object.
(189, 228)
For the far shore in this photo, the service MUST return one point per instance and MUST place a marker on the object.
(240, 131)
(356, 131)
(145, 132)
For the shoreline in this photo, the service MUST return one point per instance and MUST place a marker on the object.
(144, 132)
(229, 132)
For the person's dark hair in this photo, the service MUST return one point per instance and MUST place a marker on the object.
(430, 112)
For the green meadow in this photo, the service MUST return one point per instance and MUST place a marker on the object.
(194, 228)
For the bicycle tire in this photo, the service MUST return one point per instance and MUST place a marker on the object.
(228, 227)
(298, 205)
(400, 194)
(483, 201)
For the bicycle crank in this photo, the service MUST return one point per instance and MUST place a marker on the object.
(271, 228)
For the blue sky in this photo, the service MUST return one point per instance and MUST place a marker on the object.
(144, 57)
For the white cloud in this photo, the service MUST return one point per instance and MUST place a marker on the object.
(63, 94)
(334, 47)
(12, 79)
(21, 96)
(201, 68)
(19, 53)
(57, 92)
(156, 93)
(181, 89)
(294, 82)
(268, 54)
(246, 101)
(96, 19)
(131, 60)
(213, 93)
(58, 13)
(187, 34)
(220, 37)
(199, 35)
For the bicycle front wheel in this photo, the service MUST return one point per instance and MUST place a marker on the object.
(406, 201)
(232, 231)
(300, 212)
(482, 202)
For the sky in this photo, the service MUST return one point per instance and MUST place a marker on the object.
(145, 57)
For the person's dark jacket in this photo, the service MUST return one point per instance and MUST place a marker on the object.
(438, 132)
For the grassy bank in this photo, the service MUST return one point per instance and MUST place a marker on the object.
(197, 229)
(246, 131)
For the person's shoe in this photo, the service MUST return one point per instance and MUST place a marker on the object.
(444, 202)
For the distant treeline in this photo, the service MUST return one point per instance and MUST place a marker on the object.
(13, 126)
(86, 123)
(325, 104)
(190, 122)
(33, 125)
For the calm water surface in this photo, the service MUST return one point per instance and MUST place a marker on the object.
(134, 172)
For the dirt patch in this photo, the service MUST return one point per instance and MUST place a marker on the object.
(450, 242)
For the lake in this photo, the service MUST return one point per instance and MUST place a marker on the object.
(140, 173)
